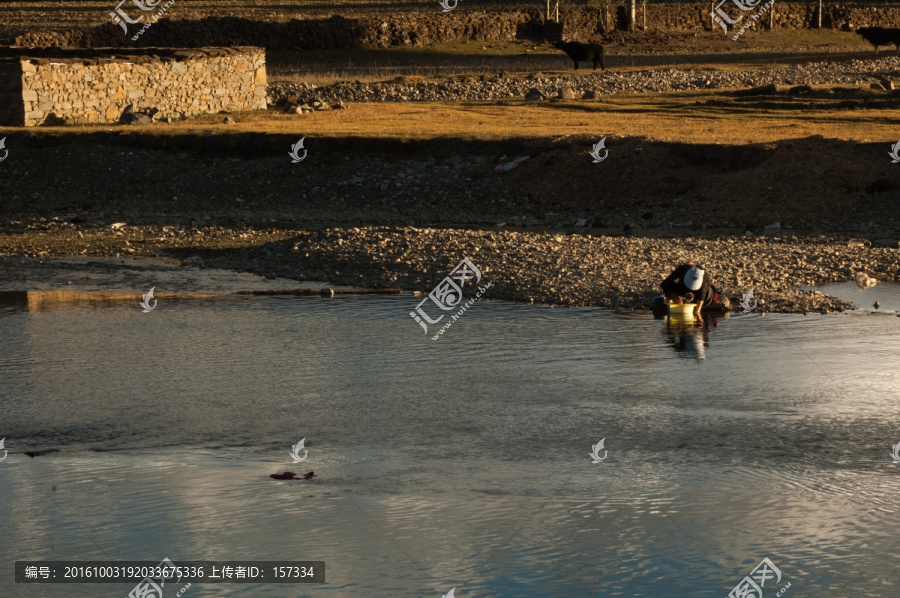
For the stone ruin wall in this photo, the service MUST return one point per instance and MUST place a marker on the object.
(179, 85)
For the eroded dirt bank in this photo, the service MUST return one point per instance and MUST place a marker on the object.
(808, 186)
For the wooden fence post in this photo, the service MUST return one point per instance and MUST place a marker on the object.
(820, 14)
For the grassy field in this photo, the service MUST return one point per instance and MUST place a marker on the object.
(679, 117)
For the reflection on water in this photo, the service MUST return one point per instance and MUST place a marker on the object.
(689, 336)
(458, 463)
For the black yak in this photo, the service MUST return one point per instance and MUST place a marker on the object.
(879, 36)
(580, 52)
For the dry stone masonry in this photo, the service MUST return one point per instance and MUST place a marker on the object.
(54, 87)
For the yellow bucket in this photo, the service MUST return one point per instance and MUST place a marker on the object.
(684, 310)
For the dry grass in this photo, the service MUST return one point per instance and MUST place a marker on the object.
(677, 117)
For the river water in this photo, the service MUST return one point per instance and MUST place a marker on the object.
(457, 463)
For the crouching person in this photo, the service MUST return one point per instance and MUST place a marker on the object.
(688, 283)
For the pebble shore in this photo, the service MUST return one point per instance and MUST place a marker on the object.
(572, 270)
(575, 269)
(850, 72)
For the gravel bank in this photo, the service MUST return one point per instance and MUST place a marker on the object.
(548, 268)
(572, 270)
(850, 72)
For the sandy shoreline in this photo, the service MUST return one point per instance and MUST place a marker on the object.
(572, 270)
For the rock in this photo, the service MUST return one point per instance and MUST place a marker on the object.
(876, 305)
(228, 120)
(117, 225)
(748, 233)
(590, 94)
(566, 93)
(290, 475)
(773, 226)
(887, 84)
(131, 117)
(534, 95)
(326, 292)
(581, 222)
(339, 106)
(864, 281)
(877, 86)
(800, 89)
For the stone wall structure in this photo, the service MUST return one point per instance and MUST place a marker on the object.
(90, 86)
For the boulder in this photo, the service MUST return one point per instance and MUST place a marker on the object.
(534, 95)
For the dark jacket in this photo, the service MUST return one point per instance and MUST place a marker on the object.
(674, 285)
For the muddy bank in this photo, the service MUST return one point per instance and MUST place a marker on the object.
(531, 267)
(808, 186)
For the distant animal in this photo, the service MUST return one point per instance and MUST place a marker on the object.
(290, 475)
(879, 36)
(580, 52)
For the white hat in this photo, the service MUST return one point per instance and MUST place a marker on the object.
(693, 278)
